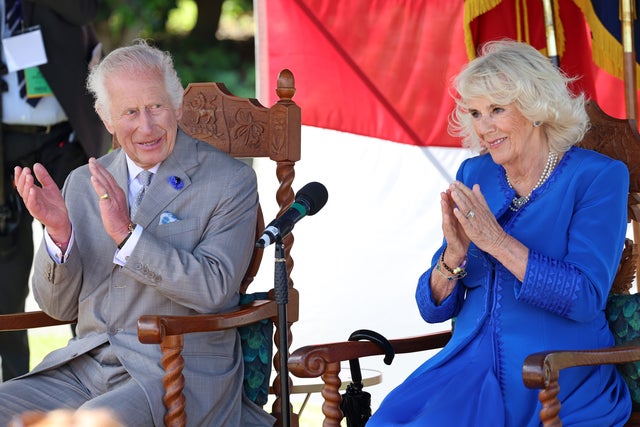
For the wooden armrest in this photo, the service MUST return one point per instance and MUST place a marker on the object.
(152, 329)
(28, 320)
(309, 361)
(168, 331)
(324, 360)
(540, 369)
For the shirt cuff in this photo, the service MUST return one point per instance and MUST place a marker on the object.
(54, 251)
(121, 256)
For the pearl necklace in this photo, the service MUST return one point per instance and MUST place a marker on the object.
(519, 202)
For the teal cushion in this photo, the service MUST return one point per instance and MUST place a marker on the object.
(623, 315)
(257, 349)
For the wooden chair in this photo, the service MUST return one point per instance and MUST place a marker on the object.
(243, 128)
(614, 137)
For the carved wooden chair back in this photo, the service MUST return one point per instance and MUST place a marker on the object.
(244, 128)
(618, 139)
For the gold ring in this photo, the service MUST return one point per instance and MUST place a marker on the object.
(105, 196)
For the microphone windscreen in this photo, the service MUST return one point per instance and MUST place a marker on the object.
(314, 195)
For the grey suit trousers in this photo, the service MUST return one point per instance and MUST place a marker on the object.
(90, 381)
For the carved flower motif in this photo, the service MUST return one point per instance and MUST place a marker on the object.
(248, 129)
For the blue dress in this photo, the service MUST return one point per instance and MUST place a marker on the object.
(574, 226)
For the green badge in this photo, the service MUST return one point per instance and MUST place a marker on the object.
(37, 85)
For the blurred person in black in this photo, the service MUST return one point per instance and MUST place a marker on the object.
(56, 125)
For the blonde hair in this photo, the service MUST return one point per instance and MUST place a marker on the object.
(513, 72)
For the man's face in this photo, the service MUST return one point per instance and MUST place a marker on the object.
(142, 117)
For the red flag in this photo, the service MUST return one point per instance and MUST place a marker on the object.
(377, 67)
(597, 64)
(383, 68)
(605, 27)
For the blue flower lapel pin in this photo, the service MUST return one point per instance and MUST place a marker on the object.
(167, 217)
(176, 182)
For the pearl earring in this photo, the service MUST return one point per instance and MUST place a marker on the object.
(537, 123)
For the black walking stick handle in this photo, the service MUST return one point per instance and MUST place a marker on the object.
(375, 337)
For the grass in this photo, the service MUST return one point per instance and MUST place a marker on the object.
(42, 342)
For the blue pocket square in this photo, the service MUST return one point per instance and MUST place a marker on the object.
(167, 217)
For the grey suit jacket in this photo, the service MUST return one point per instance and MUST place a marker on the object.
(193, 265)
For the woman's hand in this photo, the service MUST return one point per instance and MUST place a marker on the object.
(454, 233)
(473, 215)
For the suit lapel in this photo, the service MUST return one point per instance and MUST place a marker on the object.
(118, 168)
(170, 180)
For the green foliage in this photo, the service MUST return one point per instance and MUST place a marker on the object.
(182, 19)
(167, 23)
(225, 61)
(150, 16)
(236, 8)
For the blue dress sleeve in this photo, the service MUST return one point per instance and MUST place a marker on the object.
(451, 305)
(448, 308)
(577, 286)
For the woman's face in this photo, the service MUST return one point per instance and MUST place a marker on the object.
(504, 131)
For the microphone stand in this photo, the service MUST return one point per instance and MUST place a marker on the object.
(281, 288)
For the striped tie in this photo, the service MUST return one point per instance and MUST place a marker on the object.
(145, 179)
(13, 18)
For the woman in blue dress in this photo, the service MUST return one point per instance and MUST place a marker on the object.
(533, 229)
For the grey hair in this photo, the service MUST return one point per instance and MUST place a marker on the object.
(512, 72)
(140, 56)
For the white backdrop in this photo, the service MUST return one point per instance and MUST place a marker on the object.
(357, 261)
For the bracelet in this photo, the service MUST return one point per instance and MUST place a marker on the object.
(458, 269)
(130, 227)
(459, 275)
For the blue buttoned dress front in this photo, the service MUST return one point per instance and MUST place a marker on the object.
(574, 226)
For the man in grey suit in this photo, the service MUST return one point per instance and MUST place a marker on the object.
(183, 251)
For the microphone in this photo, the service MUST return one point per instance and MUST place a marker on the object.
(309, 200)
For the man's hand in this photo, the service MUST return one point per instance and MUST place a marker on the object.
(114, 208)
(45, 203)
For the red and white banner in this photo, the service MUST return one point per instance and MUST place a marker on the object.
(382, 68)
(378, 68)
